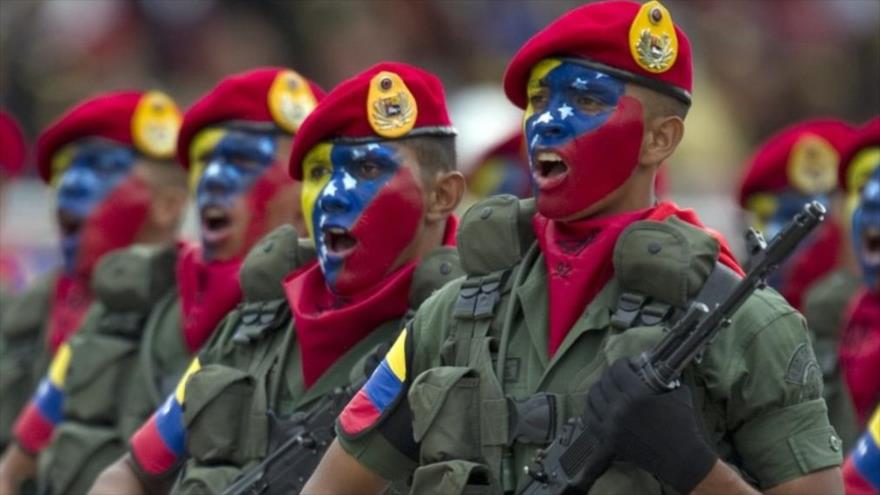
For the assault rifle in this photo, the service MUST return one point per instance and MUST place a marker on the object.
(305, 435)
(576, 458)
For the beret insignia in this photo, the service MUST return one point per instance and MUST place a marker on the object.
(652, 39)
(290, 100)
(391, 107)
(155, 124)
(812, 165)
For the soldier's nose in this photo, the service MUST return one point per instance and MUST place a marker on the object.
(217, 179)
(334, 202)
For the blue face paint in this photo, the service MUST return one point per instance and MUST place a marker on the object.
(233, 166)
(94, 170)
(866, 230)
(358, 173)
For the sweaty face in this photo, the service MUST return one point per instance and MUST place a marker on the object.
(363, 207)
(583, 136)
(866, 230)
(239, 179)
(93, 178)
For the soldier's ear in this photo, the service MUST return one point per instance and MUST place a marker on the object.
(661, 138)
(444, 195)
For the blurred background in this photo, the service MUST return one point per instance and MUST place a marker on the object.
(760, 65)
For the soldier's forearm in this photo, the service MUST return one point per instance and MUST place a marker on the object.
(724, 481)
(16, 466)
(118, 478)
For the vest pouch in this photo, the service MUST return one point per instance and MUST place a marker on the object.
(630, 343)
(199, 479)
(445, 402)
(95, 376)
(454, 478)
(77, 456)
(216, 412)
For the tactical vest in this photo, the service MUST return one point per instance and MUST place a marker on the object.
(108, 386)
(23, 357)
(475, 433)
(251, 380)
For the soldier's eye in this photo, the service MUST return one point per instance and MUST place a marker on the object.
(538, 100)
(316, 173)
(589, 104)
(368, 170)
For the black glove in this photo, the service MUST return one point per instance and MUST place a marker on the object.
(656, 431)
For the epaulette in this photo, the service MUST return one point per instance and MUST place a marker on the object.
(271, 260)
(495, 234)
(135, 278)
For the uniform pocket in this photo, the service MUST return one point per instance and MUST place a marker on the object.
(216, 412)
(205, 480)
(77, 456)
(93, 381)
(445, 402)
(454, 478)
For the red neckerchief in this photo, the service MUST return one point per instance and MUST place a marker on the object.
(327, 326)
(70, 301)
(578, 260)
(860, 352)
(819, 258)
(207, 292)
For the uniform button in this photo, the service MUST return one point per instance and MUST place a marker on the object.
(486, 213)
(445, 268)
(835, 442)
(654, 247)
(267, 246)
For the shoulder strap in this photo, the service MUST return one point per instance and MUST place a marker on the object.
(474, 312)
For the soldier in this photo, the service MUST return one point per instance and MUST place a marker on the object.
(502, 169)
(796, 165)
(377, 161)
(109, 160)
(13, 151)
(554, 298)
(165, 302)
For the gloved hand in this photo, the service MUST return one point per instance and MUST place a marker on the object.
(655, 431)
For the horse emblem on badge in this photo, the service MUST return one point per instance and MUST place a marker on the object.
(653, 43)
(391, 107)
(155, 124)
(290, 100)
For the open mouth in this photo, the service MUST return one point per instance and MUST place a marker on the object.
(69, 224)
(549, 170)
(871, 245)
(338, 241)
(216, 224)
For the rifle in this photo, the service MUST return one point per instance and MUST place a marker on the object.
(305, 435)
(575, 459)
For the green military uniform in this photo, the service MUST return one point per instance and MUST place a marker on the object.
(477, 359)
(252, 366)
(23, 355)
(123, 361)
(825, 308)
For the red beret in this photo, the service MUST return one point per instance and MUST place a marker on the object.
(387, 101)
(270, 94)
(804, 156)
(148, 121)
(867, 136)
(13, 149)
(638, 43)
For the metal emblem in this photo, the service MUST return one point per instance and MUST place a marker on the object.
(653, 42)
(391, 107)
(812, 165)
(290, 100)
(155, 125)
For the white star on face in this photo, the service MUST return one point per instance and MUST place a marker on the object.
(357, 153)
(372, 146)
(348, 182)
(579, 83)
(544, 118)
(330, 190)
(565, 111)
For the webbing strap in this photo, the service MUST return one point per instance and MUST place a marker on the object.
(473, 313)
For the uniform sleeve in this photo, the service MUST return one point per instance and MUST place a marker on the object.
(34, 426)
(775, 411)
(160, 444)
(376, 425)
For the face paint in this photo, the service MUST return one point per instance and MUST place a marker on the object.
(866, 231)
(91, 173)
(583, 135)
(241, 177)
(363, 207)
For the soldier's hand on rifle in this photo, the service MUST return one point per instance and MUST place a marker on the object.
(656, 431)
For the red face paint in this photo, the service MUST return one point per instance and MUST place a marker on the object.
(383, 231)
(115, 222)
(598, 162)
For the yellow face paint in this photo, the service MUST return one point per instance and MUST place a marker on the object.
(317, 168)
(199, 151)
(862, 166)
(61, 161)
(762, 206)
(533, 86)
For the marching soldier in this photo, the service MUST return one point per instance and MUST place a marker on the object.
(109, 160)
(559, 291)
(377, 163)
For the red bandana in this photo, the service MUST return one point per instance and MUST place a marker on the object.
(819, 258)
(208, 290)
(578, 260)
(327, 326)
(860, 352)
(70, 301)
